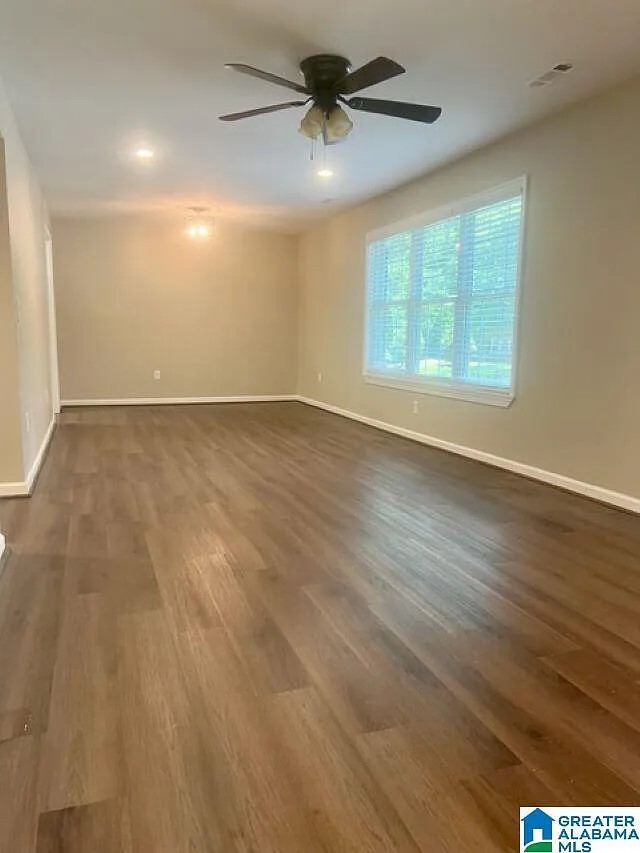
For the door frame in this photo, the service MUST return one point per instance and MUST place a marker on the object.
(54, 375)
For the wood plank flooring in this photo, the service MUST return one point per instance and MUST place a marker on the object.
(263, 628)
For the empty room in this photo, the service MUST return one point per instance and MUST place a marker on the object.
(319, 426)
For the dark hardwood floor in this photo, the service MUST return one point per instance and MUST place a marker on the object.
(265, 628)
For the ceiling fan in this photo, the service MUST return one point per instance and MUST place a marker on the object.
(327, 80)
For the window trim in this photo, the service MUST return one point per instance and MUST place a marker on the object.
(466, 391)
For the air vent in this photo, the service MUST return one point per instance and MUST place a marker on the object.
(550, 76)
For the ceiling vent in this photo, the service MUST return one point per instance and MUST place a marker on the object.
(550, 76)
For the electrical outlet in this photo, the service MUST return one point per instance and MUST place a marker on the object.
(415, 407)
(319, 377)
(156, 374)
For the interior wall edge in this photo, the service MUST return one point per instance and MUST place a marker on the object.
(27, 218)
(4, 553)
(23, 488)
(32, 476)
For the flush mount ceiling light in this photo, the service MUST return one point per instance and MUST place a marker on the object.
(201, 231)
(199, 225)
(327, 79)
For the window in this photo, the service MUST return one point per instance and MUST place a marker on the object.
(442, 299)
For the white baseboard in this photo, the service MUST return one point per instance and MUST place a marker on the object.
(4, 553)
(17, 489)
(32, 476)
(23, 488)
(177, 401)
(589, 490)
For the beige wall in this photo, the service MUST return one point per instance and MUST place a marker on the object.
(577, 409)
(26, 221)
(134, 294)
(10, 435)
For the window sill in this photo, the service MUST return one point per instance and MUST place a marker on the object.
(469, 393)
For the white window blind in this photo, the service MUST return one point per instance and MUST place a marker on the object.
(442, 300)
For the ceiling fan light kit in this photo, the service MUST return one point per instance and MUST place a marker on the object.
(328, 79)
(312, 123)
(332, 127)
(337, 126)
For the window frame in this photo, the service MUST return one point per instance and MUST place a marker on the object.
(441, 387)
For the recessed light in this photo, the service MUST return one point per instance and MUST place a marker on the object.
(324, 173)
(144, 153)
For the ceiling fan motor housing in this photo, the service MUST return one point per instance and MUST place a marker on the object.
(321, 73)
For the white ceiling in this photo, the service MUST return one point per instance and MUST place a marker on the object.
(91, 79)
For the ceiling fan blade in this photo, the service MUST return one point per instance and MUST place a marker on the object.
(266, 75)
(376, 71)
(397, 109)
(261, 110)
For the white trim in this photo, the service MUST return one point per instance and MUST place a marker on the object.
(18, 489)
(589, 490)
(37, 462)
(515, 344)
(177, 401)
(441, 388)
(54, 375)
(509, 189)
(4, 553)
(23, 488)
